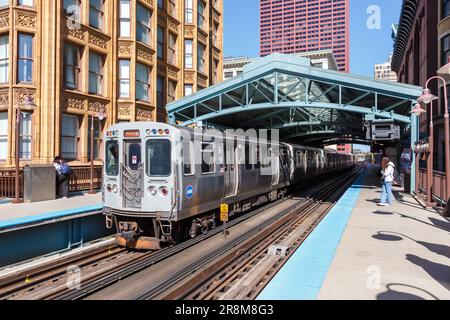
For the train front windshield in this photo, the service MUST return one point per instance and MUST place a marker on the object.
(112, 158)
(158, 158)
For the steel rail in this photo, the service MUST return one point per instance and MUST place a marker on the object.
(234, 248)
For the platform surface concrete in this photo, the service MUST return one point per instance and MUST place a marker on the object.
(389, 253)
(18, 212)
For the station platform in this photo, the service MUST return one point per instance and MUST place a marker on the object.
(13, 216)
(29, 231)
(361, 251)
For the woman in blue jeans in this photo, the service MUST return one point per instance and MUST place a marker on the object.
(387, 178)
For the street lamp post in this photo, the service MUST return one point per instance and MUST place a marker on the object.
(28, 104)
(427, 98)
(100, 115)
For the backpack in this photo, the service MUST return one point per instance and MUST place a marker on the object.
(65, 169)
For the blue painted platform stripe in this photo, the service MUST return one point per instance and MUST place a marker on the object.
(303, 274)
(47, 216)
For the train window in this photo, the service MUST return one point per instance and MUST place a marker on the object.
(208, 160)
(112, 158)
(134, 156)
(266, 158)
(188, 158)
(158, 158)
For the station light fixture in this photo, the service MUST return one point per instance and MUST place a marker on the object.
(418, 110)
(427, 96)
(445, 70)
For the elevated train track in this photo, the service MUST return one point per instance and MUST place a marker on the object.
(107, 266)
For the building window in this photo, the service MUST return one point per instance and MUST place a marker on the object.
(4, 58)
(28, 3)
(445, 48)
(72, 9)
(72, 58)
(124, 78)
(142, 82)
(200, 14)
(96, 8)
(172, 10)
(98, 125)
(161, 37)
(160, 92)
(188, 54)
(3, 135)
(161, 4)
(25, 64)
(171, 54)
(201, 58)
(189, 11)
(188, 89)
(445, 8)
(143, 25)
(171, 91)
(95, 73)
(125, 18)
(25, 136)
(69, 137)
(228, 74)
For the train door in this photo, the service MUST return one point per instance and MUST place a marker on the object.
(132, 174)
(275, 161)
(231, 169)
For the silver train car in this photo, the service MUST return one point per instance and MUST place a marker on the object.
(156, 189)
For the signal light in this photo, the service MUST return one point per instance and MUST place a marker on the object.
(161, 131)
(164, 191)
(167, 131)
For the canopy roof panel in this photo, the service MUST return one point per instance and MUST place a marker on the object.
(306, 103)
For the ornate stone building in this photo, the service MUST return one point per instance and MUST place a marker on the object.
(106, 60)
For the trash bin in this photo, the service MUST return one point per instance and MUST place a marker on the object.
(407, 182)
(39, 183)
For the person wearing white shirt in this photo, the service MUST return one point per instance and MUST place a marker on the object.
(387, 179)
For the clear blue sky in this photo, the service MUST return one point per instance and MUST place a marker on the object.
(367, 47)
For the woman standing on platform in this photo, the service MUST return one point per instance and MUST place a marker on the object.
(387, 178)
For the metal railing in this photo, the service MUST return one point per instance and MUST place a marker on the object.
(438, 185)
(7, 182)
(80, 180)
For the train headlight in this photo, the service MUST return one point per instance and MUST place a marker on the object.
(152, 190)
(164, 191)
(114, 188)
(109, 188)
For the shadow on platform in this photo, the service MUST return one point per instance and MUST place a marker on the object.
(439, 272)
(395, 294)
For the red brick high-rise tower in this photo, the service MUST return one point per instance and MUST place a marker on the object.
(292, 26)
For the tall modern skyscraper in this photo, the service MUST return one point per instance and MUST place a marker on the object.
(292, 26)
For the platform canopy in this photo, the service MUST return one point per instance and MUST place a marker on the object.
(307, 104)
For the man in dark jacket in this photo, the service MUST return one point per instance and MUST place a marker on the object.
(62, 177)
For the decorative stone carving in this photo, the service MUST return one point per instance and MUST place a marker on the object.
(4, 20)
(144, 54)
(144, 115)
(20, 94)
(173, 26)
(73, 104)
(201, 37)
(172, 73)
(125, 49)
(97, 41)
(201, 81)
(148, 2)
(97, 107)
(189, 32)
(124, 111)
(4, 98)
(26, 20)
(189, 76)
(76, 33)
